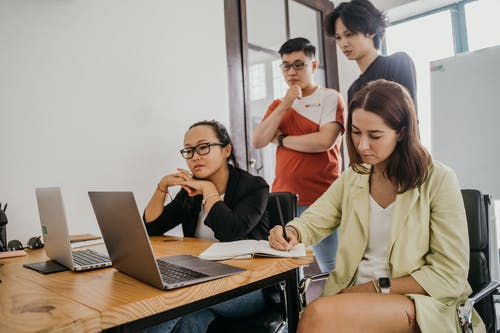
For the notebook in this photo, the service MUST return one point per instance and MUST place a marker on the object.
(56, 236)
(130, 250)
(244, 249)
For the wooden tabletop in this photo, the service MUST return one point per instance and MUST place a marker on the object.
(94, 300)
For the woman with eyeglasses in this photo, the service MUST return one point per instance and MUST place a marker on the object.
(217, 201)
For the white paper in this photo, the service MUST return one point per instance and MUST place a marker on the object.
(243, 249)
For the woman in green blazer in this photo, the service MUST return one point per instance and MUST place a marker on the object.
(403, 253)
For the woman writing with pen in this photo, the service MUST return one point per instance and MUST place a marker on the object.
(403, 254)
(217, 201)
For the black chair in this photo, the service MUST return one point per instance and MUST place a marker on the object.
(281, 207)
(482, 249)
(483, 256)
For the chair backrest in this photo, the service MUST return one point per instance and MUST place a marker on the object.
(281, 207)
(477, 208)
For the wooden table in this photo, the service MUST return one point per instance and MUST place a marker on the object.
(105, 299)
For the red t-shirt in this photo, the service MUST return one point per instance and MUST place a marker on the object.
(308, 174)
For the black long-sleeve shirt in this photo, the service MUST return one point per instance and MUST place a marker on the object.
(397, 67)
(242, 214)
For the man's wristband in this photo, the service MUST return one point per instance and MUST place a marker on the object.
(280, 139)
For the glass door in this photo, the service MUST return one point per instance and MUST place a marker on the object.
(269, 24)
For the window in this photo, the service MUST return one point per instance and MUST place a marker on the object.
(482, 31)
(435, 42)
(257, 77)
(279, 85)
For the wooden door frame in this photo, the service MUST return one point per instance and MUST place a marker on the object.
(237, 69)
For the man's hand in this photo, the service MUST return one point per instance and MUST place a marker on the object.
(275, 137)
(293, 93)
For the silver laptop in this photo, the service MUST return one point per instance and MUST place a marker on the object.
(56, 236)
(130, 250)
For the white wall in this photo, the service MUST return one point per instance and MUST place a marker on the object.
(348, 73)
(96, 95)
(465, 117)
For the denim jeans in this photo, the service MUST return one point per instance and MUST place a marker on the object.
(198, 322)
(326, 250)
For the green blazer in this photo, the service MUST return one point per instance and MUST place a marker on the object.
(429, 241)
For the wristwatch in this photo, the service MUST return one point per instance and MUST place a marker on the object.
(384, 284)
(280, 139)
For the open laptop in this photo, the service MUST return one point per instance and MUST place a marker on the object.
(56, 236)
(130, 250)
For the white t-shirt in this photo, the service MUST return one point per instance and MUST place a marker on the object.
(202, 230)
(375, 262)
(320, 107)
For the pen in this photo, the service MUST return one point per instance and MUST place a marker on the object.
(5, 207)
(285, 236)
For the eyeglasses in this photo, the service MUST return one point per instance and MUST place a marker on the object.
(297, 65)
(201, 149)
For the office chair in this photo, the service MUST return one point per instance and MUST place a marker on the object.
(482, 266)
(281, 206)
(483, 261)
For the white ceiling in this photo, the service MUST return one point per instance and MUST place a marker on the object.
(387, 4)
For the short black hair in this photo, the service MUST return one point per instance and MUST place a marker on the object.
(359, 16)
(298, 44)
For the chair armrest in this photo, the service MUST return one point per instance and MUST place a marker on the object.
(488, 290)
(465, 310)
(304, 284)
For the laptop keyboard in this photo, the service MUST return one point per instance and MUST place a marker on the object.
(89, 257)
(171, 273)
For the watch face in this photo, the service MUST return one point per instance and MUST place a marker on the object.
(384, 282)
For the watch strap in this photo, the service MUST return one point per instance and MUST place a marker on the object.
(384, 285)
(280, 139)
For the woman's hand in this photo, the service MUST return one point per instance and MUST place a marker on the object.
(196, 187)
(277, 240)
(174, 179)
(360, 288)
(155, 206)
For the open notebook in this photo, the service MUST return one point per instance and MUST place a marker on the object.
(244, 249)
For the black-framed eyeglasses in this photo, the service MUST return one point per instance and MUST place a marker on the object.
(297, 65)
(201, 149)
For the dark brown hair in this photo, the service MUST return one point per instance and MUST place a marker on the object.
(409, 163)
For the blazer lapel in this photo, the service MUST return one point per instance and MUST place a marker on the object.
(232, 185)
(404, 204)
(361, 203)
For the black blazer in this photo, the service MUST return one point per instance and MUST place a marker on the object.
(242, 214)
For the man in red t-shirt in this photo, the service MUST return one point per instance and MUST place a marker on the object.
(306, 125)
